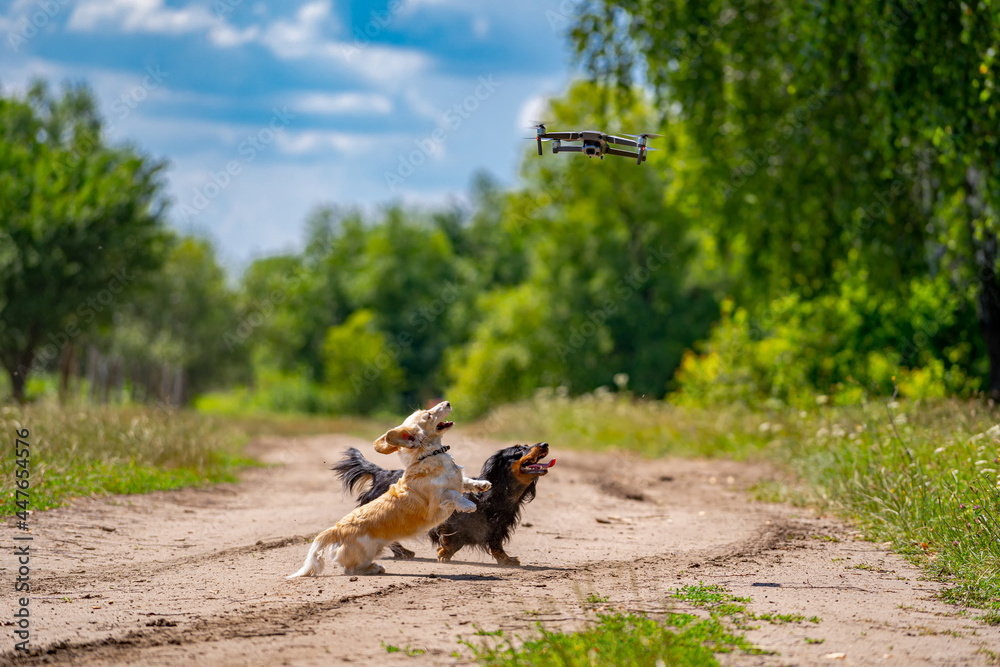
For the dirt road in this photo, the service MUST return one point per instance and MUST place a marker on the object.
(198, 576)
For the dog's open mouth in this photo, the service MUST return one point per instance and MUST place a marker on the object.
(445, 425)
(537, 468)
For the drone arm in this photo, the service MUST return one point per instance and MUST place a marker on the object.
(567, 149)
(562, 136)
(618, 151)
(611, 139)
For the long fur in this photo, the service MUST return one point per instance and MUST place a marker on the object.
(498, 510)
(428, 491)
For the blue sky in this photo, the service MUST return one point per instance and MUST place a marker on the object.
(265, 110)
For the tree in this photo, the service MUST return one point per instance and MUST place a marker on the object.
(182, 319)
(834, 137)
(610, 286)
(81, 222)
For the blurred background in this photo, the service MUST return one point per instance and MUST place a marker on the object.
(331, 208)
(227, 218)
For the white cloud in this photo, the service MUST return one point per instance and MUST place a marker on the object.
(532, 110)
(342, 103)
(481, 27)
(302, 38)
(319, 142)
(140, 16)
(298, 38)
(226, 36)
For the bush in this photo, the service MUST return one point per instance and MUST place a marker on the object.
(362, 372)
(845, 345)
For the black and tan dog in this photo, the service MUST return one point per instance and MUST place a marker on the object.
(513, 473)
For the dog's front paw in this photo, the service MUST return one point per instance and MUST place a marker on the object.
(467, 506)
(476, 485)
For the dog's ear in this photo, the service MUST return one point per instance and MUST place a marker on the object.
(393, 439)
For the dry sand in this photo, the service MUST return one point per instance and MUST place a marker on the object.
(198, 576)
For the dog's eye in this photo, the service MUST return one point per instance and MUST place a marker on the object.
(408, 436)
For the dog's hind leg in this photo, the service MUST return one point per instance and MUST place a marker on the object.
(448, 546)
(399, 552)
(356, 556)
(502, 557)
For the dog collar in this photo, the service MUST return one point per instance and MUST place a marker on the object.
(434, 453)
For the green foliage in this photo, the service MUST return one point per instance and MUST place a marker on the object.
(603, 420)
(182, 316)
(80, 223)
(97, 451)
(845, 344)
(922, 474)
(608, 287)
(361, 369)
(830, 156)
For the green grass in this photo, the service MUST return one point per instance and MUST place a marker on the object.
(625, 638)
(405, 650)
(89, 451)
(679, 640)
(921, 475)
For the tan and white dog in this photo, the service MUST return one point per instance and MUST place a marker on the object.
(428, 492)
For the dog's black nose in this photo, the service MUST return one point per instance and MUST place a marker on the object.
(543, 445)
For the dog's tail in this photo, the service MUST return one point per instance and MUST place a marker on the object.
(314, 559)
(354, 471)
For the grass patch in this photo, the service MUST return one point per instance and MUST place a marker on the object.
(89, 451)
(617, 639)
(921, 475)
(405, 650)
(626, 638)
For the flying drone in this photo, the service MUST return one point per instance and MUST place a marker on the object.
(594, 143)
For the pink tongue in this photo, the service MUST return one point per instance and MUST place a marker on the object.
(547, 465)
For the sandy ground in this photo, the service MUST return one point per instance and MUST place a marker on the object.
(198, 576)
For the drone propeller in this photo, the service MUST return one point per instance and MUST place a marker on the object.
(539, 131)
(641, 155)
(651, 135)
